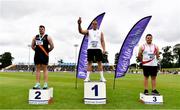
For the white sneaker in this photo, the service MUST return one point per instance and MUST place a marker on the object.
(87, 79)
(103, 79)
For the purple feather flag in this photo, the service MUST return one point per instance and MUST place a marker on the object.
(129, 43)
(82, 59)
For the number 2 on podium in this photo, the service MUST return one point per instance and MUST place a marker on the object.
(95, 88)
(38, 95)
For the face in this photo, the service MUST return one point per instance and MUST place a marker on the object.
(149, 39)
(41, 30)
(94, 25)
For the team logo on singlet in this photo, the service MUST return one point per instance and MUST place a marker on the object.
(94, 43)
(151, 56)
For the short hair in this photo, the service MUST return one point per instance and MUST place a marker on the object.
(41, 26)
(148, 35)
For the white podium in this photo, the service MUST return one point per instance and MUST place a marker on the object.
(94, 92)
(151, 99)
(40, 96)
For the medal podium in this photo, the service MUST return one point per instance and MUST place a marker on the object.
(40, 96)
(151, 99)
(94, 92)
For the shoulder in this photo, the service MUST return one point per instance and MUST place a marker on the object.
(36, 36)
(156, 47)
(89, 30)
(143, 46)
(49, 37)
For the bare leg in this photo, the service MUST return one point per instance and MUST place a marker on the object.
(100, 69)
(89, 69)
(153, 82)
(38, 74)
(146, 82)
(45, 71)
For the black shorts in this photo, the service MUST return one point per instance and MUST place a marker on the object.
(150, 71)
(41, 59)
(94, 55)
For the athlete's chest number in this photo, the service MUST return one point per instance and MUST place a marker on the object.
(38, 95)
(94, 43)
(95, 88)
(39, 42)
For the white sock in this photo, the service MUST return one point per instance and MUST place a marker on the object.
(101, 74)
(88, 73)
(38, 83)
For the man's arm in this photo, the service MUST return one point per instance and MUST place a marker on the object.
(33, 44)
(157, 54)
(50, 43)
(84, 32)
(103, 43)
(140, 54)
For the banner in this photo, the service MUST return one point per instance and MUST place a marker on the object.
(82, 59)
(129, 43)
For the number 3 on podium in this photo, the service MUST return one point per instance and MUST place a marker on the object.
(155, 99)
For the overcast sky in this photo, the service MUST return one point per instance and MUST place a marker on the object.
(19, 21)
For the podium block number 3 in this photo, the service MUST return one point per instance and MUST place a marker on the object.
(38, 95)
(95, 88)
(154, 99)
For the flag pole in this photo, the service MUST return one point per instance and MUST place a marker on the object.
(114, 82)
(76, 83)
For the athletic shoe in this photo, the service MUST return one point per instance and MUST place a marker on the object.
(45, 86)
(87, 79)
(103, 79)
(155, 92)
(146, 92)
(37, 86)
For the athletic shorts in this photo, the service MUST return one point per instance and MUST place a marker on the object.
(150, 71)
(94, 54)
(41, 59)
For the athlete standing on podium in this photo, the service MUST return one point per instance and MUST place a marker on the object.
(149, 55)
(96, 47)
(42, 44)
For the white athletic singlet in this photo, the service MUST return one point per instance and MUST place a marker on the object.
(94, 39)
(149, 55)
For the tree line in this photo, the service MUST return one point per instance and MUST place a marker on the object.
(5, 60)
(170, 58)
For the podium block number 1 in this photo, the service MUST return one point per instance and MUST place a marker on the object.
(95, 88)
(95, 93)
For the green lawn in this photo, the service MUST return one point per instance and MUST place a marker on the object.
(14, 88)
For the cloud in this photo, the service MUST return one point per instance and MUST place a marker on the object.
(19, 21)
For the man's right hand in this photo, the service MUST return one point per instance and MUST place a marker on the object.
(79, 20)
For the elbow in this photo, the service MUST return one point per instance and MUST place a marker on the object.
(80, 31)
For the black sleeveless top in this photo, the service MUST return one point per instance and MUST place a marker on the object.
(43, 42)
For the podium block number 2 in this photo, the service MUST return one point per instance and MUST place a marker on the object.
(38, 95)
(95, 88)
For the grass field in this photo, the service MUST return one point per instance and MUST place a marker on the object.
(14, 88)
